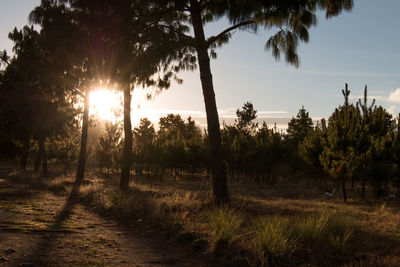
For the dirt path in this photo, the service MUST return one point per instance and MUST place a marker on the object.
(38, 228)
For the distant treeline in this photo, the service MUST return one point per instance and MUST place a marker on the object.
(358, 145)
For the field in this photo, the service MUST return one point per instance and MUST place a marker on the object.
(171, 222)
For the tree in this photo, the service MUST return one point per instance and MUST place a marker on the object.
(128, 47)
(311, 148)
(107, 146)
(35, 103)
(293, 18)
(245, 118)
(72, 65)
(144, 139)
(381, 151)
(299, 127)
(339, 157)
(364, 145)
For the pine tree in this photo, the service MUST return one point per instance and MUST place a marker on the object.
(245, 118)
(299, 127)
(291, 18)
(339, 157)
(107, 147)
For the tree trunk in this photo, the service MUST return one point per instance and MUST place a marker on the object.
(38, 159)
(25, 152)
(42, 142)
(126, 161)
(344, 189)
(337, 185)
(218, 169)
(352, 183)
(364, 180)
(85, 126)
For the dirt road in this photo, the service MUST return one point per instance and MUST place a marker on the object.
(38, 228)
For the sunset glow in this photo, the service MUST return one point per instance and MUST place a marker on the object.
(106, 104)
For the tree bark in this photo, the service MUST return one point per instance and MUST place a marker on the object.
(42, 142)
(25, 152)
(344, 189)
(365, 176)
(38, 159)
(85, 126)
(218, 169)
(126, 161)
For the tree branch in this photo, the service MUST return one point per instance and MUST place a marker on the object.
(215, 38)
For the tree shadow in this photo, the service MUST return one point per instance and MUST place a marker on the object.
(56, 229)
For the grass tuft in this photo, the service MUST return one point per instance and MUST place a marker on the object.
(313, 227)
(339, 241)
(225, 223)
(273, 240)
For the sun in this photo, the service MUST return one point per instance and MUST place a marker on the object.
(106, 104)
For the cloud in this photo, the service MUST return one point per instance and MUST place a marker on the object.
(391, 110)
(263, 113)
(394, 96)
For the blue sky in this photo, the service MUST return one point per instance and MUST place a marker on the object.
(358, 48)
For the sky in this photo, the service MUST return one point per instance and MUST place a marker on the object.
(359, 48)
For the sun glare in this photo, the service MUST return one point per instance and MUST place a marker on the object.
(106, 104)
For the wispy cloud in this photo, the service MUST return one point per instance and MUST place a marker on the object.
(264, 113)
(394, 96)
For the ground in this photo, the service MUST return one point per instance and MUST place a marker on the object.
(171, 221)
(40, 228)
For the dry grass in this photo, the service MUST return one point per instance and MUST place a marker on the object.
(276, 224)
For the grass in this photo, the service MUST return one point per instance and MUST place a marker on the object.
(273, 239)
(314, 226)
(225, 223)
(285, 223)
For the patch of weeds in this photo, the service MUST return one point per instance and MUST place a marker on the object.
(340, 233)
(313, 227)
(106, 200)
(225, 223)
(339, 241)
(273, 240)
(382, 210)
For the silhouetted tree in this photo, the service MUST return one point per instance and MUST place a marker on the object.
(245, 118)
(144, 139)
(107, 147)
(293, 18)
(312, 146)
(364, 146)
(299, 127)
(339, 157)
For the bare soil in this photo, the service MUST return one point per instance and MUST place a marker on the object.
(40, 228)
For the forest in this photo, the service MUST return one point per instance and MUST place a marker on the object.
(89, 192)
